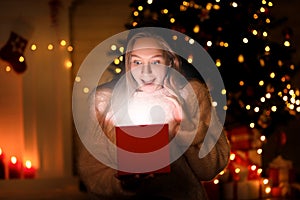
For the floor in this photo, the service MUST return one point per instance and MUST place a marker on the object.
(41, 189)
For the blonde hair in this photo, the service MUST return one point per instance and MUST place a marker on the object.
(170, 55)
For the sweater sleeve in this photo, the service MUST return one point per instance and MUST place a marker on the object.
(98, 177)
(208, 132)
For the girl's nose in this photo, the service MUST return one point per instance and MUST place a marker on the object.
(146, 69)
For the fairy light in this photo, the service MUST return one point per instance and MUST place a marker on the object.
(33, 47)
(245, 40)
(63, 43)
(50, 47)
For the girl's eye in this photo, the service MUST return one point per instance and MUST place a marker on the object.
(137, 62)
(155, 62)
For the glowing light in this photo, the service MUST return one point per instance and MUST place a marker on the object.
(268, 95)
(268, 190)
(222, 172)
(86, 90)
(21, 59)
(140, 8)
(28, 164)
(196, 29)
(265, 181)
(262, 9)
(287, 43)
(116, 61)
(272, 75)
(13, 160)
(77, 79)
(262, 62)
(149, 1)
(237, 170)
(267, 48)
(241, 83)
(70, 48)
(234, 4)
(121, 49)
(113, 47)
(223, 91)
(252, 125)
(63, 43)
(214, 104)
(50, 47)
(191, 41)
(261, 83)
(268, 21)
(254, 32)
(253, 167)
(216, 181)
(118, 70)
(216, 7)
(33, 47)
(134, 24)
(7, 68)
(241, 58)
(136, 13)
(263, 138)
(68, 64)
(232, 156)
(218, 63)
(274, 108)
(174, 37)
(248, 107)
(209, 43)
(259, 151)
(265, 34)
(262, 99)
(164, 11)
(256, 109)
(270, 4)
(245, 40)
(190, 59)
(172, 20)
(255, 16)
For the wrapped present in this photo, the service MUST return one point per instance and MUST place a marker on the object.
(242, 190)
(244, 138)
(281, 170)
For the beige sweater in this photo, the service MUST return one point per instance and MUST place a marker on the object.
(187, 172)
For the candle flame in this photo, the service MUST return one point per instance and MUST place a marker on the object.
(13, 159)
(28, 164)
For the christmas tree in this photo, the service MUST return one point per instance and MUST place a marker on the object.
(256, 71)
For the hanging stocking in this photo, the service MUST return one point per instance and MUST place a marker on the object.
(13, 52)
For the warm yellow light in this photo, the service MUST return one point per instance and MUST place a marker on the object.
(174, 37)
(172, 20)
(209, 43)
(245, 40)
(196, 29)
(13, 160)
(287, 43)
(33, 47)
(248, 107)
(262, 62)
(223, 91)
(218, 62)
(190, 59)
(216, 181)
(241, 58)
(136, 13)
(113, 47)
(149, 1)
(262, 9)
(226, 44)
(28, 164)
(265, 34)
(253, 167)
(268, 95)
(21, 59)
(232, 156)
(268, 21)
(86, 90)
(191, 41)
(121, 49)
(254, 32)
(68, 64)
(274, 108)
(267, 48)
(241, 83)
(116, 61)
(252, 125)
(50, 47)
(118, 70)
(164, 11)
(261, 83)
(237, 170)
(63, 43)
(70, 48)
(140, 8)
(134, 23)
(263, 138)
(7, 68)
(268, 190)
(255, 16)
(262, 99)
(209, 6)
(263, 1)
(272, 75)
(77, 79)
(234, 4)
(259, 151)
(270, 4)
(256, 109)
(216, 7)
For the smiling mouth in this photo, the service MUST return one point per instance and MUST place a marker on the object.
(150, 82)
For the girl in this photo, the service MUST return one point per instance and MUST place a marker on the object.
(152, 91)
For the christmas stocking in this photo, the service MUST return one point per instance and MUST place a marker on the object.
(13, 50)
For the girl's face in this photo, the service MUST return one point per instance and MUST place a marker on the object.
(148, 64)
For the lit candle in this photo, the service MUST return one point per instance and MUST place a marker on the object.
(14, 168)
(2, 166)
(29, 170)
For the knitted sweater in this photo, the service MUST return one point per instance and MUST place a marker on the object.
(191, 124)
